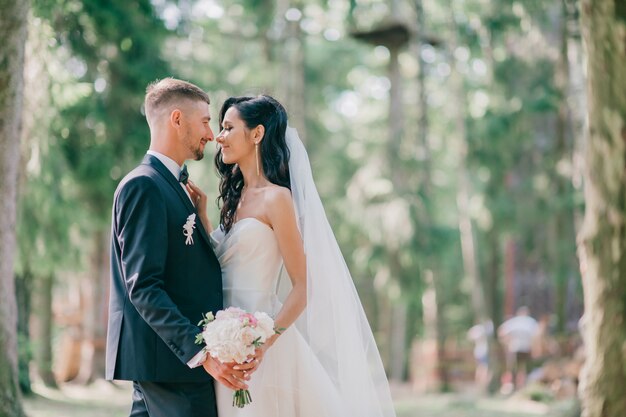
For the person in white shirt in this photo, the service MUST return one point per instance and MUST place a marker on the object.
(479, 334)
(517, 335)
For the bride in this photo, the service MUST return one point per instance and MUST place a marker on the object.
(274, 238)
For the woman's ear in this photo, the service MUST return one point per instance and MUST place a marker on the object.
(258, 134)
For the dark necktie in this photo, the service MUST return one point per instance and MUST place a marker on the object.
(184, 175)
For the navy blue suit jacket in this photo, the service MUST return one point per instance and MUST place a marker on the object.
(160, 287)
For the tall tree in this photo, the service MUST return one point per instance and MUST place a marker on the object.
(48, 209)
(602, 239)
(13, 34)
(562, 230)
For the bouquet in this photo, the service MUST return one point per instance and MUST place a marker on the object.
(232, 335)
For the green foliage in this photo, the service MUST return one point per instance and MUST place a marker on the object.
(516, 146)
(396, 220)
(50, 219)
(116, 52)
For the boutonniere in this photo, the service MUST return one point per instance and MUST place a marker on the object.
(188, 229)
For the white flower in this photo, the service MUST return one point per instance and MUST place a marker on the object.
(230, 312)
(188, 228)
(233, 335)
(265, 325)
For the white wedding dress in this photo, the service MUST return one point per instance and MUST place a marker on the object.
(327, 364)
(290, 381)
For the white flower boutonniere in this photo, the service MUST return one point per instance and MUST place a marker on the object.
(188, 229)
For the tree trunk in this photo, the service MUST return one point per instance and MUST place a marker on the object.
(13, 34)
(602, 239)
(563, 216)
(95, 304)
(296, 94)
(432, 352)
(479, 301)
(23, 293)
(510, 253)
(442, 361)
(439, 330)
(292, 82)
(468, 248)
(493, 292)
(397, 366)
(44, 325)
(396, 121)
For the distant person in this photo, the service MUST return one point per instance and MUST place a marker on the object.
(517, 334)
(479, 334)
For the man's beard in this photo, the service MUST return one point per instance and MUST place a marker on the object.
(197, 152)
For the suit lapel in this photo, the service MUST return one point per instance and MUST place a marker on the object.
(167, 175)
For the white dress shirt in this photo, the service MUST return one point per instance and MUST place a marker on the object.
(171, 166)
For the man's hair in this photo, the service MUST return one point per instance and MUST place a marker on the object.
(162, 93)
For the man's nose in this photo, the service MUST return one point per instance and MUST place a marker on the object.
(210, 136)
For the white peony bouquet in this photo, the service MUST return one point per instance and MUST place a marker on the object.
(232, 335)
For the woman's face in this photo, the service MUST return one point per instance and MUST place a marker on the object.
(235, 138)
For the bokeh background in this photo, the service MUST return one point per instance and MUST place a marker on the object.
(446, 138)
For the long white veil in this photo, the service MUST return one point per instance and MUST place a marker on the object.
(334, 323)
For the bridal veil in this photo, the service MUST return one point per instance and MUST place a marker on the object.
(334, 322)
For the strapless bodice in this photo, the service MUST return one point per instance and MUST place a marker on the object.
(251, 263)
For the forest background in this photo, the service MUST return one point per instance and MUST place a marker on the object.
(449, 141)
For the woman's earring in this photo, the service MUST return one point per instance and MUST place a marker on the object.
(256, 150)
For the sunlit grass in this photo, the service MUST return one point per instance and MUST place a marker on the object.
(467, 405)
(102, 399)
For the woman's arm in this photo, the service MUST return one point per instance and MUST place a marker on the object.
(282, 217)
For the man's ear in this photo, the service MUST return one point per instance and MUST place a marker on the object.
(258, 134)
(175, 118)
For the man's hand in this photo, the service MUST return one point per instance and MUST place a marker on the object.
(231, 375)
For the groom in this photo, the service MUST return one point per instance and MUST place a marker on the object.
(162, 281)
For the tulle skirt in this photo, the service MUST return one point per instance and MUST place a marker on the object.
(289, 382)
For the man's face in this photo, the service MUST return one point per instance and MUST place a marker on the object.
(196, 128)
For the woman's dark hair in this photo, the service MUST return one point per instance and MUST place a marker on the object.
(261, 110)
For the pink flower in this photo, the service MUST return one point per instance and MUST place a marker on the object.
(248, 319)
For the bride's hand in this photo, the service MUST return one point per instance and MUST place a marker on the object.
(198, 197)
(249, 367)
(255, 360)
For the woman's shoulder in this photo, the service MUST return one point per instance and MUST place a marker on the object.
(277, 192)
(277, 198)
